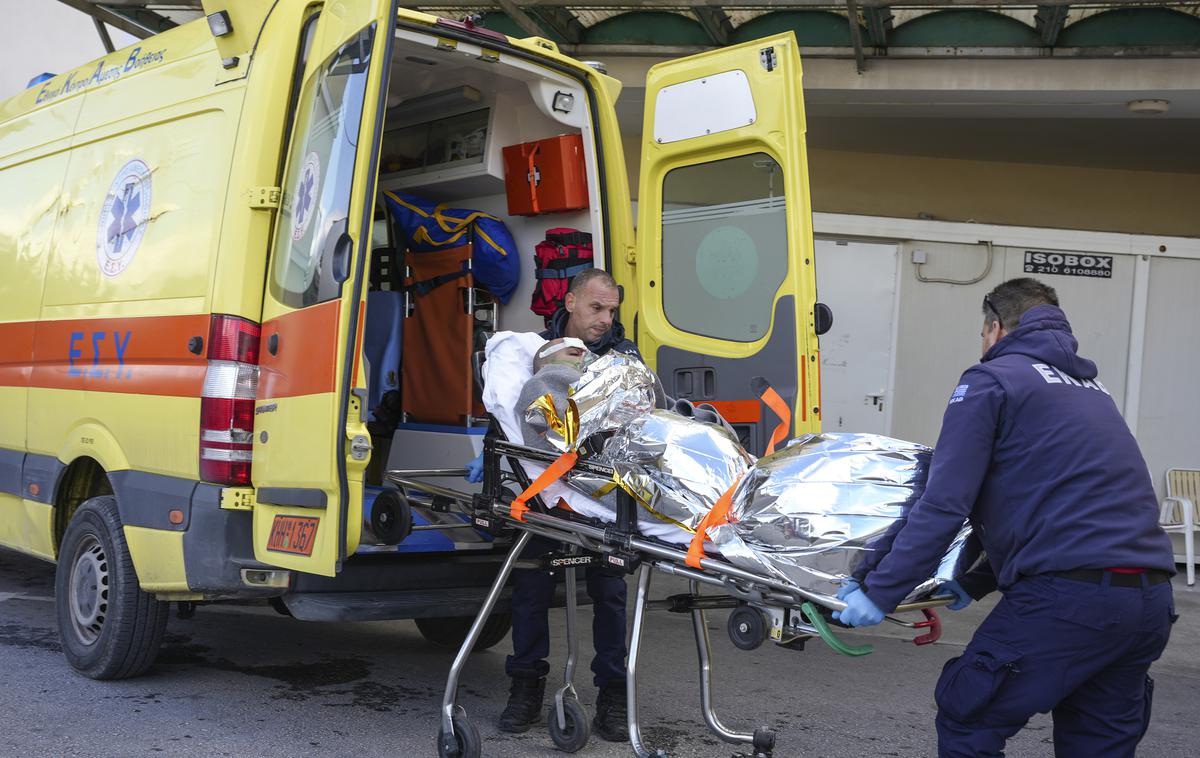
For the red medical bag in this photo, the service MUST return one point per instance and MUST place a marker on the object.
(563, 255)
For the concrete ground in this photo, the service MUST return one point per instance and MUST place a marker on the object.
(244, 681)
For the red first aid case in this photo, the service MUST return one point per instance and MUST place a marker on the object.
(545, 176)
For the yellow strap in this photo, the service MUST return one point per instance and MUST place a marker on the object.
(452, 226)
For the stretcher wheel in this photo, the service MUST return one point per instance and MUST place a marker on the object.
(764, 740)
(391, 517)
(578, 730)
(746, 628)
(464, 743)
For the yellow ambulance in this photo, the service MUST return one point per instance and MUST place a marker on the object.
(202, 296)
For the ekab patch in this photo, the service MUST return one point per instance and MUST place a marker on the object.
(123, 218)
(959, 394)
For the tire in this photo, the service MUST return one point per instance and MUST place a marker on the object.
(578, 730)
(467, 743)
(109, 627)
(451, 631)
(747, 630)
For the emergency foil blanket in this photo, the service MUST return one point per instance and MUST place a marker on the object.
(826, 509)
(613, 391)
(676, 467)
(813, 515)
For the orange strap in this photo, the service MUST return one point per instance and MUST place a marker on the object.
(561, 465)
(531, 177)
(781, 409)
(719, 514)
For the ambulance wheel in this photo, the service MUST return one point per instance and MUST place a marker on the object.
(450, 632)
(465, 742)
(746, 628)
(578, 730)
(109, 627)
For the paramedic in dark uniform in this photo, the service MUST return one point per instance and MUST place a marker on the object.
(589, 313)
(1035, 453)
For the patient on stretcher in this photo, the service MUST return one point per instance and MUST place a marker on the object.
(811, 515)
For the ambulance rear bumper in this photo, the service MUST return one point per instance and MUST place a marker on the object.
(398, 604)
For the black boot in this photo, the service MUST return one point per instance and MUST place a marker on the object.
(612, 708)
(524, 707)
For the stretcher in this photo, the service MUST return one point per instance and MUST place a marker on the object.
(761, 608)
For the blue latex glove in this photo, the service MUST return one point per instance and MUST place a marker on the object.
(957, 589)
(860, 611)
(851, 585)
(475, 470)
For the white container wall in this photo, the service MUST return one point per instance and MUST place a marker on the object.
(1141, 325)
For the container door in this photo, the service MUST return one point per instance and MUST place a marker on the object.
(858, 281)
(724, 250)
(310, 438)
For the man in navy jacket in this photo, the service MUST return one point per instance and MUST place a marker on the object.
(1035, 453)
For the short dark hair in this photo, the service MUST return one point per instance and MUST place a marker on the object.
(583, 278)
(1009, 301)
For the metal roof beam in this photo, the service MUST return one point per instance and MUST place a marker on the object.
(716, 24)
(521, 18)
(130, 19)
(562, 21)
(105, 37)
(879, 23)
(860, 61)
(1050, 20)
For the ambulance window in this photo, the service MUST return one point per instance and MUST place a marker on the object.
(316, 191)
(724, 246)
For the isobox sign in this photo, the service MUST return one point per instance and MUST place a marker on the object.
(1069, 264)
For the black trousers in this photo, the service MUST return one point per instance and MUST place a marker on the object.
(533, 592)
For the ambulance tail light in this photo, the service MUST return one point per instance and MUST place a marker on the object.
(227, 401)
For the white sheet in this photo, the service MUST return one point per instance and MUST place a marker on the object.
(508, 364)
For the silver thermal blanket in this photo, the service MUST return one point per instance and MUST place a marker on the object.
(826, 508)
(820, 511)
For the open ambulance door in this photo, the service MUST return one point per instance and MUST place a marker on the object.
(310, 437)
(725, 274)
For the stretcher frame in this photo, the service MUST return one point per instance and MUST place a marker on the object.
(619, 544)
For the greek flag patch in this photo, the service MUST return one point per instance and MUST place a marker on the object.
(959, 393)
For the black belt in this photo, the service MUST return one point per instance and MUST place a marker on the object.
(1119, 578)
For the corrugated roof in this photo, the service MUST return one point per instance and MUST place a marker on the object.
(973, 23)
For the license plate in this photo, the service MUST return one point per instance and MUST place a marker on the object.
(293, 534)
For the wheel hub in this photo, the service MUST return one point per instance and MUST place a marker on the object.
(89, 590)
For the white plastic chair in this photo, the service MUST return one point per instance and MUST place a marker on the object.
(1179, 512)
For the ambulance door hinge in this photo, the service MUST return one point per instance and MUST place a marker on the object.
(631, 254)
(237, 499)
(264, 198)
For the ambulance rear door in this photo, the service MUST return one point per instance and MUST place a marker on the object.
(724, 241)
(310, 437)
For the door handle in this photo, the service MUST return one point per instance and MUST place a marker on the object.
(340, 265)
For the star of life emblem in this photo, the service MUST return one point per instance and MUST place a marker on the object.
(123, 218)
(305, 205)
